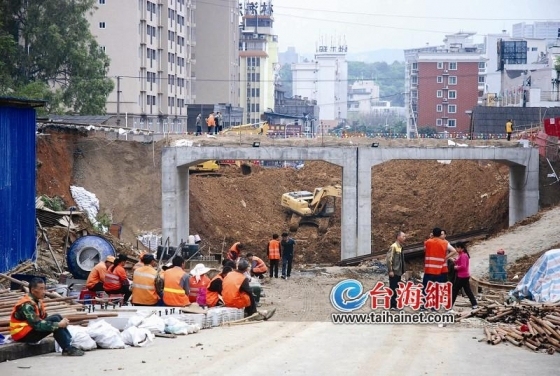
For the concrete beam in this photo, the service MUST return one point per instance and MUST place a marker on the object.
(356, 180)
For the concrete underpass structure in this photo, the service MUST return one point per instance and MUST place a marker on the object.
(356, 163)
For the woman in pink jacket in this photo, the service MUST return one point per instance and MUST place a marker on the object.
(463, 274)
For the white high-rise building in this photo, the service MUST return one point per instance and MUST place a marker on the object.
(150, 46)
(549, 30)
(325, 79)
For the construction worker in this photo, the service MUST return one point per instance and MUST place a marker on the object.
(213, 296)
(236, 291)
(198, 125)
(176, 284)
(198, 283)
(235, 251)
(509, 129)
(144, 291)
(258, 267)
(29, 322)
(211, 123)
(438, 251)
(96, 277)
(273, 252)
(116, 281)
(139, 264)
(395, 265)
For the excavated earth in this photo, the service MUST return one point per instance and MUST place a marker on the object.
(413, 196)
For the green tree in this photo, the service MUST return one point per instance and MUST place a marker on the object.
(54, 47)
(389, 77)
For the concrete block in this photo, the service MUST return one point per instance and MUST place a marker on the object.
(13, 351)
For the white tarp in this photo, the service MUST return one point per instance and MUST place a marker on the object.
(150, 240)
(542, 281)
(87, 202)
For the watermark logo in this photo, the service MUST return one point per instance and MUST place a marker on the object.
(349, 295)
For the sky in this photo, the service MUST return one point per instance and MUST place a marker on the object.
(368, 25)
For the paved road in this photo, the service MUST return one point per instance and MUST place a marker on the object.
(304, 348)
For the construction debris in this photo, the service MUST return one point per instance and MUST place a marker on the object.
(535, 326)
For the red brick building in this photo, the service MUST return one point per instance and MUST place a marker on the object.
(443, 83)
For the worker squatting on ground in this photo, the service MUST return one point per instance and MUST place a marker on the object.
(198, 284)
(29, 322)
(96, 277)
(116, 281)
(258, 267)
(144, 283)
(287, 248)
(273, 253)
(214, 294)
(395, 265)
(176, 284)
(235, 251)
(237, 292)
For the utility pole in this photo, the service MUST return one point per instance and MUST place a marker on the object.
(118, 100)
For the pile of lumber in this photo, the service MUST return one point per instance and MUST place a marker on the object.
(535, 326)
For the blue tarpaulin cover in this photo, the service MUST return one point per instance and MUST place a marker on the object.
(542, 281)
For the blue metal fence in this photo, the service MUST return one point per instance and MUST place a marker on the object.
(17, 184)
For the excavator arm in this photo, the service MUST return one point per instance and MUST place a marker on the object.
(319, 197)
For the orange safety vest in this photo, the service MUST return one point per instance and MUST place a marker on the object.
(173, 293)
(20, 328)
(436, 250)
(260, 267)
(233, 253)
(112, 281)
(96, 275)
(194, 286)
(230, 291)
(212, 297)
(144, 286)
(274, 250)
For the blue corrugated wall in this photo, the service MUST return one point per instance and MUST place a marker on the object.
(17, 185)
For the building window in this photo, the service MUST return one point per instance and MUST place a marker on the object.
(102, 48)
(438, 122)
(414, 66)
(439, 108)
(439, 79)
(439, 65)
(101, 2)
(439, 94)
(452, 109)
(534, 48)
(102, 25)
(414, 80)
(481, 65)
(451, 123)
(481, 79)
(452, 80)
(452, 94)
(452, 66)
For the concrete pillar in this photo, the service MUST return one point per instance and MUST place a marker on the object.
(349, 211)
(183, 208)
(524, 189)
(169, 197)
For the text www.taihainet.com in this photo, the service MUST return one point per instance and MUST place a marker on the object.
(387, 317)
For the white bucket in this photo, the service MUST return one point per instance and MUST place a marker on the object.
(61, 289)
(191, 239)
(197, 239)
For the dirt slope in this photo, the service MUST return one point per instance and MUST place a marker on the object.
(410, 195)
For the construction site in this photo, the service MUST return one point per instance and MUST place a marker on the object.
(245, 201)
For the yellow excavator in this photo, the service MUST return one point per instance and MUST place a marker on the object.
(311, 207)
(206, 167)
(256, 129)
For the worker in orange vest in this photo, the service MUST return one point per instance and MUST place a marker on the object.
(144, 290)
(97, 275)
(213, 296)
(236, 291)
(273, 252)
(258, 267)
(198, 283)
(437, 252)
(235, 251)
(176, 284)
(29, 322)
(211, 122)
(116, 281)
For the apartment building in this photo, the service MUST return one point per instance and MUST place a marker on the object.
(325, 80)
(444, 83)
(150, 45)
(217, 52)
(363, 95)
(258, 59)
